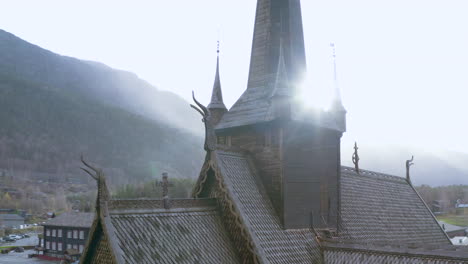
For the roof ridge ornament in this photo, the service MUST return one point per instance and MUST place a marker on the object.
(356, 158)
(210, 136)
(409, 163)
(165, 191)
(103, 193)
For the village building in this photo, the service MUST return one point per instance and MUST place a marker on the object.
(68, 231)
(453, 230)
(272, 188)
(11, 220)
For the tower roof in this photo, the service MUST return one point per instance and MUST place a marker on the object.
(337, 103)
(276, 21)
(217, 95)
(281, 86)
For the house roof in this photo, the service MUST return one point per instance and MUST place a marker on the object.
(450, 228)
(191, 231)
(273, 243)
(11, 217)
(72, 219)
(377, 207)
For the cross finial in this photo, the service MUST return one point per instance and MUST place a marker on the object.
(356, 158)
(409, 163)
(165, 185)
(165, 191)
(332, 45)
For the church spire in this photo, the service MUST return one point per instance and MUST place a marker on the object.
(217, 95)
(337, 104)
(337, 107)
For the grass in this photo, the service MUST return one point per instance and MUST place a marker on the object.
(458, 220)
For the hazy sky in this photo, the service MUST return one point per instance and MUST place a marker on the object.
(402, 64)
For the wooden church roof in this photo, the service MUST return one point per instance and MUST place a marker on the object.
(391, 224)
(278, 26)
(381, 208)
(273, 243)
(191, 231)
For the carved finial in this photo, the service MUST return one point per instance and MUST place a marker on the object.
(165, 191)
(356, 158)
(103, 192)
(409, 163)
(165, 185)
(210, 136)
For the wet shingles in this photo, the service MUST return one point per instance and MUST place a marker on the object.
(191, 236)
(275, 244)
(386, 209)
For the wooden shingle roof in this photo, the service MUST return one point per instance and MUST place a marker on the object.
(191, 231)
(335, 253)
(272, 242)
(276, 22)
(381, 208)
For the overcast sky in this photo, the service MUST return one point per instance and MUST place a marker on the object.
(402, 64)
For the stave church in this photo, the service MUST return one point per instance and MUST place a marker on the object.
(272, 188)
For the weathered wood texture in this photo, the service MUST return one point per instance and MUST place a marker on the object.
(310, 176)
(263, 142)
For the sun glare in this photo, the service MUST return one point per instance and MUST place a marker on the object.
(312, 95)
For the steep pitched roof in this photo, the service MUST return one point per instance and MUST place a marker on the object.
(191, 231)
(381, 208)
(217, 94)
(335, 253)
(72, 219)
(273, 243)
(275, 20)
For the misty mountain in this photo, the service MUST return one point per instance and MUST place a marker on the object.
(24, 61)
(53, 108)
(431, 167)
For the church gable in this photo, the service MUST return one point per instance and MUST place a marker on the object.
(97, 249)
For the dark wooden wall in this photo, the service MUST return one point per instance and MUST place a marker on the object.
(299, 165)
(310, 176)
(263, 142)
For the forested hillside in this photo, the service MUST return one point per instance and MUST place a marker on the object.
(24, 61)
(46, 130)
(53, 108)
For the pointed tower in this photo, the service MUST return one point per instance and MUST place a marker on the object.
(216, 106)
(337, 108)
(280, 97)
(296, 152)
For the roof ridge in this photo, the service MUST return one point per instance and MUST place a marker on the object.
(374, 174)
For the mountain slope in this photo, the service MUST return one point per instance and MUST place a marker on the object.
(53, 108)
(24, 61)
(46, 130)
